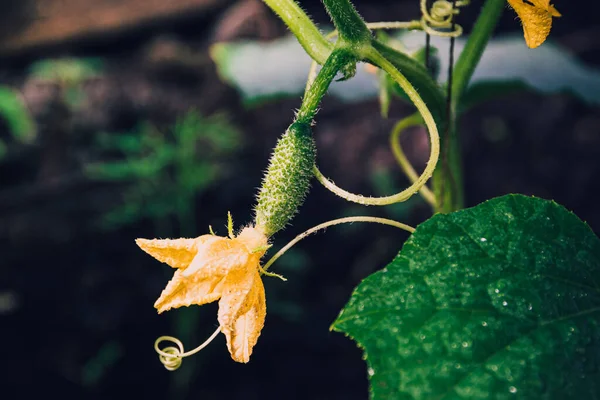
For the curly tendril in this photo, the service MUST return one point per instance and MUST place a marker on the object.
(172, 356)
(376, 58)
(441, 16)
(418, 182)
(345, 220)
(409, 171)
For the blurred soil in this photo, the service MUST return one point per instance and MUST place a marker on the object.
(73, 296)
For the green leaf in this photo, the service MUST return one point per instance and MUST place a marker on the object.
(498, 301)
(163, 172)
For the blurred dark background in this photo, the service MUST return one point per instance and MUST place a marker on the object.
(129, 132)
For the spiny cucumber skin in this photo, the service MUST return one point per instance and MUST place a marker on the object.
(287, 180)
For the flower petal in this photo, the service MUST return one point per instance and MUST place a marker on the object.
(178, 253)
(217, 257)
(545, 5)
(202, 280)
(242, 311)
(184, 291)
(536, 17)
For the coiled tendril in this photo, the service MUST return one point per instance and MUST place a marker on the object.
(172, 356)
(377, 59)
(441, 16)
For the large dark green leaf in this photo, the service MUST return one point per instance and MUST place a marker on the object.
(498, 301)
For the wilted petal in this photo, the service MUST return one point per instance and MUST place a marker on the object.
(242, 311)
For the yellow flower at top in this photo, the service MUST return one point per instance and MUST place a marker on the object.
(536, 16)
(210, 268)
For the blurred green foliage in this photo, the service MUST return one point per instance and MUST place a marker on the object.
(108, 354)
(66, 70)
(164, 171)
(16, 116)
(69, 74)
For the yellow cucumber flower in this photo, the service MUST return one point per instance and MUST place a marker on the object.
(211, 268)
(536, 16)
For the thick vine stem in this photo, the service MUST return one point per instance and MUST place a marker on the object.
(348, 22)
(338, 60)
(411, 25)
(310, 38)
(376, 58)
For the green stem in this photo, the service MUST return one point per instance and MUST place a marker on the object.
(337, 61)
(447, 180)
(313, 42)
(350, 25)
(476, 44)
